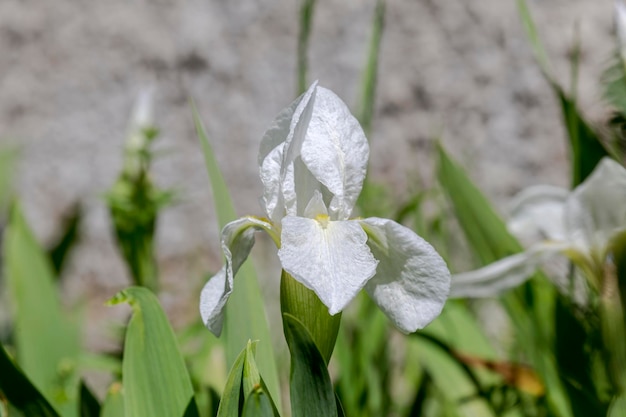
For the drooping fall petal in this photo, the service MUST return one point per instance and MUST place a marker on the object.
(412, 281)
(237, 241)
(329, 257)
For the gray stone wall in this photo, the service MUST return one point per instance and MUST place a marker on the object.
(70, 70)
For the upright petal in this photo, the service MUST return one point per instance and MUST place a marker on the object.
(336, 151)
(504, 274)
(278, 144)
(295, 177)
(596, 209)
(412, 281)
(537, 213)
(237, 241)
(328, 257)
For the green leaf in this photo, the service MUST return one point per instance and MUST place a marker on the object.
(304, 32)
(587, 150)
(251, 376)
(245, 316)
(232, 397)
(89, 405)
(155, 378)
(113, 405)
(614, 79)
(245, 382)
(258, 404)
(311, 390)
(370, 75)
(20, 392)
(47, 342)
(7, 167)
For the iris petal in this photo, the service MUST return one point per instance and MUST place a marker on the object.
(412, 281)
(596, 210)
(336, 151)
(503, 274)
(537, 213)
(237, 241)
(329, 257)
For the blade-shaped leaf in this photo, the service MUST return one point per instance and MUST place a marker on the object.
(311, 390)
(155, 378)
(20, 392)
(232, 395)
(39, 321)
(7, 163)
(89, 405)
(306, 22)
(113, 405)
(258, 404)
(614, 79)
(245, 315)
(370, 75)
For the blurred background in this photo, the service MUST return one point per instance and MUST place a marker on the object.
(70, 72)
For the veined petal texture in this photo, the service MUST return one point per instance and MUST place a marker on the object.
(336, 151)
(412, 281)
(596, 210)
(237, 241)
(329, 257)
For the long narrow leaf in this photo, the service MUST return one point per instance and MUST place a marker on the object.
(245, 315)
(46, 340)
(306, 22)
(368, 84)
(20, 392)
(311, 390)
(232, 396)
(155, 378)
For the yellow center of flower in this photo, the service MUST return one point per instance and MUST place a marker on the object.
(322, 219)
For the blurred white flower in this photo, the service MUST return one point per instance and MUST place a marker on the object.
(312, 164)
(580, 225)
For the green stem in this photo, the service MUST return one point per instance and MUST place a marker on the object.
(303, 304)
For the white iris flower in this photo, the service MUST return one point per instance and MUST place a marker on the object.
(581, 225)
(312, 163)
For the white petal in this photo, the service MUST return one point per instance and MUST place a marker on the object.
(237, 241)
(503, 274)
(596, 209)
(296, 179)
(537, 213)
(412, 281)
(316, 206)
(328, 257)
(273, 152)
(336, 151)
